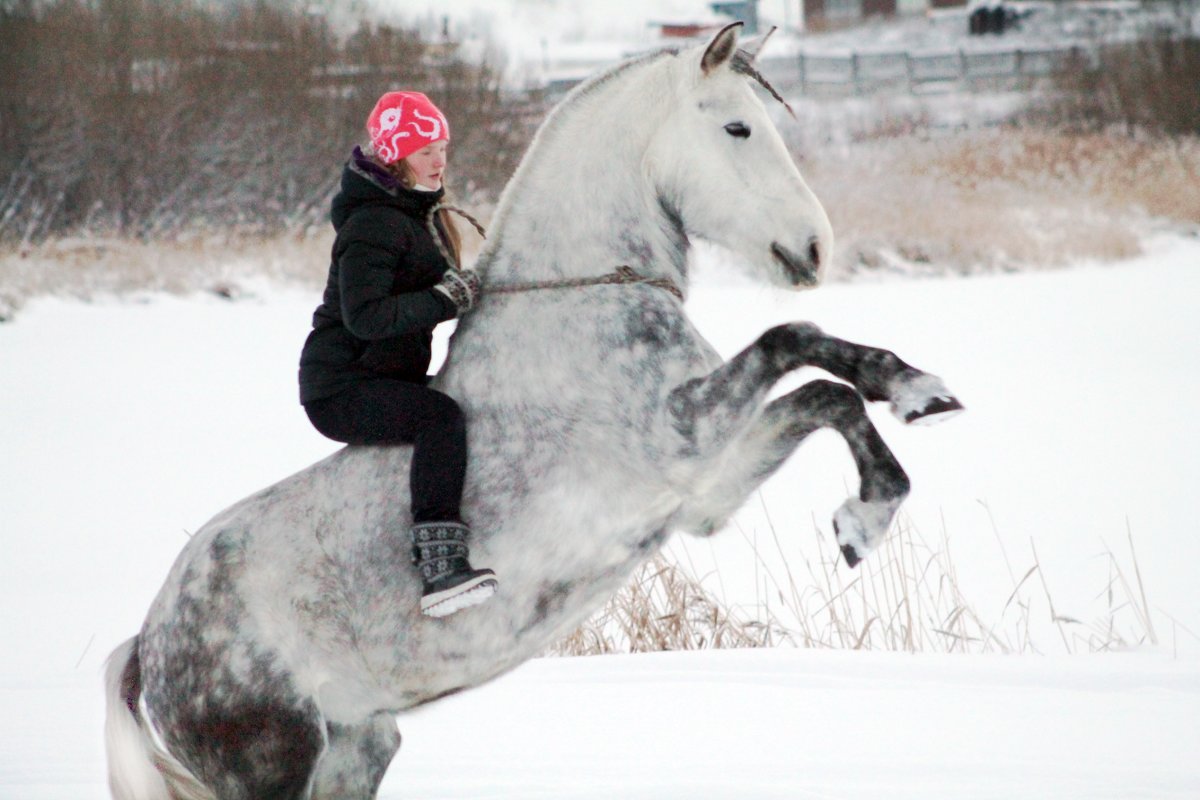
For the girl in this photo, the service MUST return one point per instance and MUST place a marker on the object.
(363, 368)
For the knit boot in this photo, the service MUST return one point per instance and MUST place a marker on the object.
(440, 553)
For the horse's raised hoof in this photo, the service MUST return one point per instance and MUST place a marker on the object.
(850, 554)
(924, 400)
(938, 410)
(859, 526)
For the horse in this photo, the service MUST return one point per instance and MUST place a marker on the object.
(287, 636)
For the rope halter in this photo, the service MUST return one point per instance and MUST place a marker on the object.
(622, 275)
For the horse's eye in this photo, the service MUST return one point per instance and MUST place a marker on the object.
(739, 129)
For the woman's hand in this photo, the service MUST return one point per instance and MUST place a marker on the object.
(461, 286)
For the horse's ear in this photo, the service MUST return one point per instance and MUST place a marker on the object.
(752, 47)
(721, 48)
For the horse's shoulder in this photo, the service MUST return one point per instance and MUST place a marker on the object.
(652, 322)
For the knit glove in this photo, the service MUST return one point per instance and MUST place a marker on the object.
(461, 286)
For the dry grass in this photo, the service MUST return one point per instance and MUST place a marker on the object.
(908, 597)
(905, 597)
(223, 263)
(983, 200)
(90, 267)
(664, 608)
(1002, 199)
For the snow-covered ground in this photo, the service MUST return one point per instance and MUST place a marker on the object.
(128, 423)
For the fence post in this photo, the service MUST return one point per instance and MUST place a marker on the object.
(854, 73)
(803, 74)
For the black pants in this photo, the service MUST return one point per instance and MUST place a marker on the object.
(385, 412)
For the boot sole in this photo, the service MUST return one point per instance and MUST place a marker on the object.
(456, 598)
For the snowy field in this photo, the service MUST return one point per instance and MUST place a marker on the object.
(128, 423)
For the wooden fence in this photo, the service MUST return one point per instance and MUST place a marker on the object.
(863, 73)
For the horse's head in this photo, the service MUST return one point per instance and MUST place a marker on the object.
(719, 164)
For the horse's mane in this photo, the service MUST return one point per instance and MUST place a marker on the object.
(742, 63)
(595, 84)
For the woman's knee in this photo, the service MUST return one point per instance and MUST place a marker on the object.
(324, 417)
(447, 414)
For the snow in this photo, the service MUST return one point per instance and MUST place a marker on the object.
(130, 422)
(812, 724)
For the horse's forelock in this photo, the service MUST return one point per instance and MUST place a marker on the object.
(743, 64)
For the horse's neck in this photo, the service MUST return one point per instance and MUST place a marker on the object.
(580, 205)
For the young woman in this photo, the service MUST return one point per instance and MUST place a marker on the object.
(363, 368)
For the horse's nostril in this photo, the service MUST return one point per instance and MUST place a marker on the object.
(814, 252)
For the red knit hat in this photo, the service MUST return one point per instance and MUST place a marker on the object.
(404, 122)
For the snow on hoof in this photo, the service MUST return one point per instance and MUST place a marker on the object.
(923, 400)
(859, 527)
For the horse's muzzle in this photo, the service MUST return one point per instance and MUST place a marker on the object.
(801, 270)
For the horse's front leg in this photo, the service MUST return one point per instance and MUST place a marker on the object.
(861, 522)
(915, 397)
(711, 411)
(720, 419)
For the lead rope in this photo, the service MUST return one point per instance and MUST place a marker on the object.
(431, 224)
(622, 275)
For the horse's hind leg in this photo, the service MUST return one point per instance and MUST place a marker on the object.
(862, 521)
(355, 759)
(258, 751)
(230, 714)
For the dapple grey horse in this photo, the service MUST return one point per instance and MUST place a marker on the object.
(288, 634)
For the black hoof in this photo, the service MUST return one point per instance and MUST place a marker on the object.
(938, 409)
(851, 555)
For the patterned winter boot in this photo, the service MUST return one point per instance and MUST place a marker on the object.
(440, 553)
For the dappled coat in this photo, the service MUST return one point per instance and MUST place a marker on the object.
(379, 309)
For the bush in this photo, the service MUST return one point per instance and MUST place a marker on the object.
(147, 118)
(1152, 85)
(906, 597)
(1004, 198)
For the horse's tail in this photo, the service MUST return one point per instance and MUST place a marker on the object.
(138, 769)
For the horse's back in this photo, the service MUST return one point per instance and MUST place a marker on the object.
(276, 583)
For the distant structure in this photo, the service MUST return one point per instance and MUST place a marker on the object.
(685, 30)
(826, 14)
(744, 11)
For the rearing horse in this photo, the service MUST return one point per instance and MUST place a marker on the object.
(288, 634)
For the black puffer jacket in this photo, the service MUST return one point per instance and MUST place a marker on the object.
(379, 309)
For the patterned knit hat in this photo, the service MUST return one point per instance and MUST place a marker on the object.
(404, 122)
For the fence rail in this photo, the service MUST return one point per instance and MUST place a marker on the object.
(869, 72)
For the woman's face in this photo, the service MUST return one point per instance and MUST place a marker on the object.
(428, 164)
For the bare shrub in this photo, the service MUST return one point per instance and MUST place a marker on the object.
(907, 597)
(1006, 198)
(1149, 85)
(154, 118)
(664, 608)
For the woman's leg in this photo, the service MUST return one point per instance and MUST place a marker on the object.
(384, 412)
